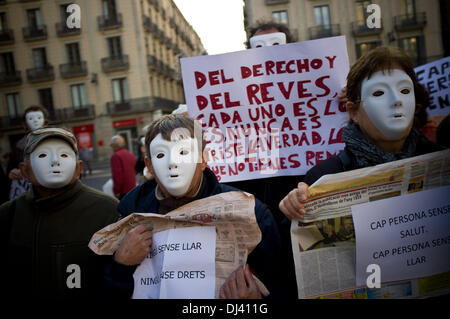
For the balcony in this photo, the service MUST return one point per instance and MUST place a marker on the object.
(10, 78)
(7, 122)
(360, 28)
(85, 112)
(115, 63)
(62, 30)
(41, 74)
(149, 26)
(139, 105)
(73, 69)
(35, 33)
(108, 23)
(6, 37)
(269, 2)
(324, 31)
(410, 22)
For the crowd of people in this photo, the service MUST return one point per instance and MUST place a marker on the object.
(50, 216)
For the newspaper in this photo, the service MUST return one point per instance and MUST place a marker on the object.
(232, 213)
(323, 242)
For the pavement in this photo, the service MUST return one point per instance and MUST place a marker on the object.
(101, 172)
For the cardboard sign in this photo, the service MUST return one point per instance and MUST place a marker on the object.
(435, 76)
(269, 111)
(406, 236)
(181, 265)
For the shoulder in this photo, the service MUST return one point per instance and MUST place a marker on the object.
(138, 198)
(92, 195)
(331, 165)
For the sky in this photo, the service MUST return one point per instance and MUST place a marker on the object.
(218, 23)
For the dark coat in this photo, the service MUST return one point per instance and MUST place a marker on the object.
(41, 237)
(264, 259)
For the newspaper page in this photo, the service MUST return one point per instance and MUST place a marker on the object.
(323, 242)
(232, 213)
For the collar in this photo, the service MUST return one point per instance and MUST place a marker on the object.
(60, 199)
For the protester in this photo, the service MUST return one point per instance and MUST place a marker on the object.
(34, 117)
(4, 180)
(45, 233)
(167, 142)
(382, 89)
(122, 167)
(86, 156)
(443, 132)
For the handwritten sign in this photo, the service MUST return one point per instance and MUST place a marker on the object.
(435, 76)
(269, 111)
(181, 265)
(407, 236)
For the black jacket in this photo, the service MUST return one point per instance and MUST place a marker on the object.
(264, 259)
(40, 238)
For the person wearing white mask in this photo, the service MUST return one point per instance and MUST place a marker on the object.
(175, 158)
(34, 117)
(382, 90)
(45, 233)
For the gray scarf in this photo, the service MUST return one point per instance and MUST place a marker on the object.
(368, 154)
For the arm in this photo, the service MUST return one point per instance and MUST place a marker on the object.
(132, 251)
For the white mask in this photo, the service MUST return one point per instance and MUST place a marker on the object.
(267, 39)
(34, 120)
(174, 163)
(389, 101)
(53, 162)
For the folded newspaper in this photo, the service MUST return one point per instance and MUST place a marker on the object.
(323, 242)
(232, 214)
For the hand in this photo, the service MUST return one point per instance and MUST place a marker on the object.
(134, 247)
(240, 285)
(292, 205)
(15, 174)
(342, 97)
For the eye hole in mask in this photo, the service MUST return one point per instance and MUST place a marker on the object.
(268, 39)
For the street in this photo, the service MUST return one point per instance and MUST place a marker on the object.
(101, 172)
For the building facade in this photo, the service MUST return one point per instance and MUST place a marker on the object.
(115, 74)
(413, 25)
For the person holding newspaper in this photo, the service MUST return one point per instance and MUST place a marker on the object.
(175, 157)
(382, 90)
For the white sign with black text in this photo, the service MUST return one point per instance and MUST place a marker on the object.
(407, 236)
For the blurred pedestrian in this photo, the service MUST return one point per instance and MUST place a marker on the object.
(86, 156)
(122, 167)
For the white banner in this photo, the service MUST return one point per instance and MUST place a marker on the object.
(269, 111)
(435, 76)
(407, 236)
(181, 265)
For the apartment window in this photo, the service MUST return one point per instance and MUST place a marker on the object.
(115, 47)
(363, 48)
(34, 18)
(109, 9)
(415, 48)
(39, 57)
(3, 22)
(46, 99)
(73, 53)
(322, 16)
(79, 96)
(63, 12)
(120, 90)
(408, 7)
(280, 16)
(14, 105)
(7, 65)
(361, 11)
